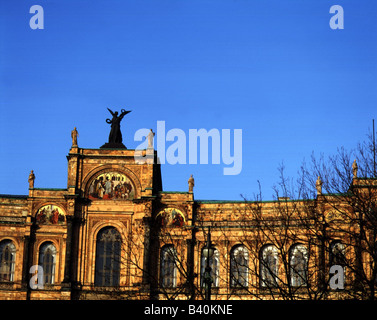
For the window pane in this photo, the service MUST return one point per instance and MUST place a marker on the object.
(298, 263)
(269, 266)
(214, 263)
(239, 266)
(337, 253)
(108, 252)
(7, 260)
(47, 258)
(168, 267)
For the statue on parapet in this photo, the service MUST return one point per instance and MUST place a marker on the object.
(191, 183)
(74, 135)
(151, 135)
(31, 179)
(354, 169)
(318, 185)
(115, 136)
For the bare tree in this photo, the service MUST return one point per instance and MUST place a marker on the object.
(279, 249)
(347, 210)
(326, 217)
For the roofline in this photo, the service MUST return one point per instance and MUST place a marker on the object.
(50, 189)
(13, 196)
(252, 201)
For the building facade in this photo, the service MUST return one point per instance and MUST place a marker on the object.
(113, 233)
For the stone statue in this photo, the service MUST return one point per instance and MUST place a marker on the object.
(191, 183)
(74, 135)
(115, 136)
(151, 135)
(31, 179)
(318, 185)
(354, 169)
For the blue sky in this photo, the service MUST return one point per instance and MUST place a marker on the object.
(274, 69)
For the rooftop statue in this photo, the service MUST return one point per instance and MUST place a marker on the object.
(115, 136)
(354, 169)
(74, 135)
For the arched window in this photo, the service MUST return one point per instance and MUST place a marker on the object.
(337, 253)
(269, 266)
(239, 266)
(47, 260)
(214, 264)
(108, 253)
(7, 260)
(168, 269)
(298, 265)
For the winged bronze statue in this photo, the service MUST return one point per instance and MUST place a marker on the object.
(115, 136)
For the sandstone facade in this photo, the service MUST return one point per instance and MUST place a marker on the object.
(113, 233)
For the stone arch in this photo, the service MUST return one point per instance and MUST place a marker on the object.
(41, 241)
(121, 228)
(12, 239)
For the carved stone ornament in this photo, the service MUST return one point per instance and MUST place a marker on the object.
(334, 215)
(110, 235)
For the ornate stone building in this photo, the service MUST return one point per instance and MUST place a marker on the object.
(113, 233)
